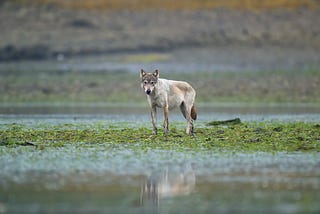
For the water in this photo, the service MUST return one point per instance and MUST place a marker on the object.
(233, 58)
(101, 178)
(98, 179)
(140, 113)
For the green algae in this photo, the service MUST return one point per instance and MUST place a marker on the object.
(245, 137)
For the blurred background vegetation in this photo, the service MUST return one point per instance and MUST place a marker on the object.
(92, 51)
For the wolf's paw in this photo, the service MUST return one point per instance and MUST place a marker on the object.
(155, 131)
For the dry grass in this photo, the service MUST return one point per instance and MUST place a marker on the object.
(180, 4)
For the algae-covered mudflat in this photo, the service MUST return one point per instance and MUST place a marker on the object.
(243, 137)
(111, 163)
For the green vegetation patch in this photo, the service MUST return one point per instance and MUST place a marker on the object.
(245, 137)
(104, 86)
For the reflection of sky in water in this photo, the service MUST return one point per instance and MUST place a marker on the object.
(143, 120)
(84, 178)
(105, 115)
(18, 164)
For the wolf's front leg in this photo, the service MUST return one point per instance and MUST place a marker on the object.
(154, 119)
(166, 120)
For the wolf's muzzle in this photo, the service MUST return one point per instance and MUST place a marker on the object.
(148, 91)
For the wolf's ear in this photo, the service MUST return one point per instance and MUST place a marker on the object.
(142, 73)
(155, 73)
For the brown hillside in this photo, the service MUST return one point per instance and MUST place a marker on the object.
(180, 4)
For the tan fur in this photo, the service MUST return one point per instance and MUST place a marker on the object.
(169, 94)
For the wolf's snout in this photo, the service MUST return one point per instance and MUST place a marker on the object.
(148, 91)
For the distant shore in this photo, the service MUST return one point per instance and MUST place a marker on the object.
(38, 32)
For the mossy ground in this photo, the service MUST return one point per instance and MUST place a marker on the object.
(244, 137)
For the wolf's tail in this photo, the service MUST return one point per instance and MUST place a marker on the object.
(193, 112)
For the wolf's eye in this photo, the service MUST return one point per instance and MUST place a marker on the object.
(145, 82)
(152, 82)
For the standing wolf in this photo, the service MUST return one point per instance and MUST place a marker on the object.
(169, 94)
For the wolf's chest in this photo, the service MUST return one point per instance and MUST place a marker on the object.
(158, 100)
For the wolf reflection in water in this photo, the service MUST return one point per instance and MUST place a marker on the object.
(169, 182)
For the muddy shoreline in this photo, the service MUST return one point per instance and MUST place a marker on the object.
(48, 32)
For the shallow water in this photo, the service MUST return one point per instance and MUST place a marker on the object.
(106, 178)
(119, 113)
(199, 59)
(99, 179)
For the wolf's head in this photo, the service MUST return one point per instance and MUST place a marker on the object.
(149, 81)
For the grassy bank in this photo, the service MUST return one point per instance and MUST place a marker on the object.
(122, 87)
(245, 137)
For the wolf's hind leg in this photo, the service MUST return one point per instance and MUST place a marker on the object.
(187, 115)
(189, 129)
(183, 109)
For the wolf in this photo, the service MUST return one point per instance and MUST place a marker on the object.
(169, 94)
(169, 181)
